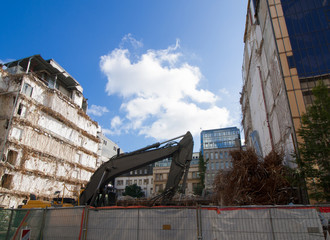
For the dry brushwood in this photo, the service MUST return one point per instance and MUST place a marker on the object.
(252, 181)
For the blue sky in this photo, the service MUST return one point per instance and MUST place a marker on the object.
(151, 70)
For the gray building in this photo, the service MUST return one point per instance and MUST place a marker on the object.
(216, 145)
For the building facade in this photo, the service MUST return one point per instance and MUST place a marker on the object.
(216, 145)
(286, 53)
(48, 142)
(142, 177)
(107, 149)
(162, 169)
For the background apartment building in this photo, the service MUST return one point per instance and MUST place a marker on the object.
(216, 145)
(48, 142)
(286, 53)
(141, 177)
(162, 169)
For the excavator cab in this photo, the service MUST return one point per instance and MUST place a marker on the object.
(106, 197)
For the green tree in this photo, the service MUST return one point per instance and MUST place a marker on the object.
(315, 149)
(202, 169)
(133, 191)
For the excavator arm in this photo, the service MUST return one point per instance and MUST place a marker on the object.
(181, 153)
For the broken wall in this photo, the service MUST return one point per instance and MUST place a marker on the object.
(51, 143)
(264, 99)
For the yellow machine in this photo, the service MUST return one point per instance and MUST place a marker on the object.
(57, 202)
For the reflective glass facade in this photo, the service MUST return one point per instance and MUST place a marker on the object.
(308, 24)
(219, 138)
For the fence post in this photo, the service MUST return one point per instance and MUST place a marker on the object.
(9, 225)
(199, 223)
(85, 222)
(271, 223)
(138, 223)
(41, 232)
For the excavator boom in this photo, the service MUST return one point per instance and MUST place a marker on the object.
(181, 153)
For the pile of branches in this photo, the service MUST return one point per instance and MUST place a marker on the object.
(253, 181)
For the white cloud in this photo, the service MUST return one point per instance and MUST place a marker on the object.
(97, 110)
(161, 97)
(129, 39)
(116, 122)
(224, 91)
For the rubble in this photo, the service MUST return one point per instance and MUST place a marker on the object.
(253, 180)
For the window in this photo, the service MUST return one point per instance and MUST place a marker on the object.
(222, 165)
(221, 155)
(212, 166)
(216, 155)
(120, 182)
(226, 154)
(227, 165)
(159, 176)
(206, 156)
(6, 181)
(16, 133)
(146, 181)
(75, 174)
(11, 157)
(105, 142)
(145, 171)
(27, 89)
(159, 187)
(217, 166)
(211, 156)
(140, 181)
(140, 171)
(78, 158)
(21, 110)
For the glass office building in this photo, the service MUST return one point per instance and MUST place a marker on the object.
(307, 23)
(216, 145)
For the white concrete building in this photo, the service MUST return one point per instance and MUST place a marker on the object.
(47, 141)
(267, 119)
(143, 181)
(107, 149)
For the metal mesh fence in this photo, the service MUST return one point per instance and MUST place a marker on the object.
(13, 221)
(262, 223)
(167, 224)
(136, 223)
(112, 224)
(62, 223)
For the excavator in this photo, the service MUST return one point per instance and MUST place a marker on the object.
(99, 192)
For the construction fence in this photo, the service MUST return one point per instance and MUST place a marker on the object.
(137, 223)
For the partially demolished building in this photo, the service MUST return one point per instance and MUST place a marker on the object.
(285, 55)
(47, 141)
